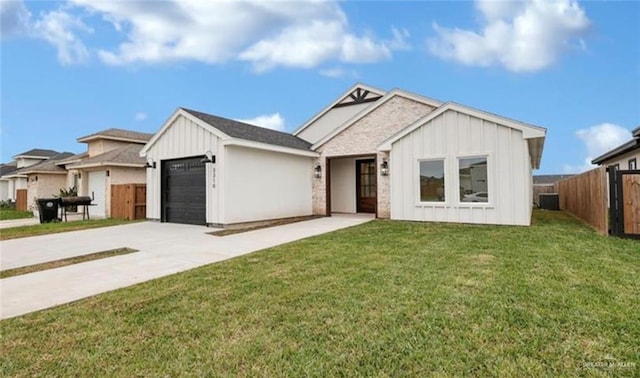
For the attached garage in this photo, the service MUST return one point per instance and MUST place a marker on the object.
(183, 189)
(208, 170)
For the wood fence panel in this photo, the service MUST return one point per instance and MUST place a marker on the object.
(21, 199)
(631, 203)
(129, 201)
(586, 196)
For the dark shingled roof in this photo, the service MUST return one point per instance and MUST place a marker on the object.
(129, 154)
(118, 134)
(38, 152)
(7, 167)
(48, 165)
(253, 133)
(548, 179)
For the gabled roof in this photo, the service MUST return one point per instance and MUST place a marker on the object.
(241, 130)
(125, 156)
(118, 134)
(48, 166)
(237, 133)
(631, 145)
(534, 134)
(36, 153)
(359, 93)
(393, 93)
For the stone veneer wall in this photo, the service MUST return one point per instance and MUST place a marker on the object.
(363, 138)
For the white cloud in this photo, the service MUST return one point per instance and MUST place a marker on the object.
(270, 121)
(338, 72)
(519, 35)
(598, 139)
(58, 28)
(266, 34)
(140, 116)
(14, 18)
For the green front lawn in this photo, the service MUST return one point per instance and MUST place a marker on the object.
(6, 214)
(386, 298)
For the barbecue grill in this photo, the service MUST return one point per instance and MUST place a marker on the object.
(84, 201)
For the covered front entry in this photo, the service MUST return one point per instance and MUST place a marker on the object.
(352, 185)
(183, 191)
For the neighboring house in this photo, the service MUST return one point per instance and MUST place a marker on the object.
(45, 179)
(112, 157)
(14, 180)
(395, 154)
(624, 157)
(4, 183)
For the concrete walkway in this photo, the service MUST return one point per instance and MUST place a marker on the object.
(164, 249)
(32, 221)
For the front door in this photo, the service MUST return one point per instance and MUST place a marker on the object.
(366, 186)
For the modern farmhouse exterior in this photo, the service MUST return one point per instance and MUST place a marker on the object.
(395, 154)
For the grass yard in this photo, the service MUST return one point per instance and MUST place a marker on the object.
(7, 214)
(385, 298)
(56, 227)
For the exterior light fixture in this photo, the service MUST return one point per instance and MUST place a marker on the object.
(209, 157)
(317, 171)
(150, 164)
(384, 168)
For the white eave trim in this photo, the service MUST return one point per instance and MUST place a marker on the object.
(528, 131)
(340, 98)
(14, 176)
(269, 147)
(31, 157)
(374, 106)
(180, 112)
(44, 173)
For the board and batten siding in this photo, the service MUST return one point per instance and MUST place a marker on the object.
(185, 138)
(262, 185)
(451, 136)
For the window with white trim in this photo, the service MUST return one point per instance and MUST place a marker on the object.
(432, 180)
(473, 179)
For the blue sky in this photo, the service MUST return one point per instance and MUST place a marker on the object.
(75, 67)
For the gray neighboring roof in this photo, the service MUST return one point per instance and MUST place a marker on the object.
(73, 159)
(125, 155)
(253, 133)
(7, 168)
(118, 134)
(631, 145)
(47, 166)
(548, 179)
(38, 152)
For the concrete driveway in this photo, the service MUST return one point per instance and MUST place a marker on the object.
(164, 248)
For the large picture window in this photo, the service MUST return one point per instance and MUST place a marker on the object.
(432, 181)
(473, 179)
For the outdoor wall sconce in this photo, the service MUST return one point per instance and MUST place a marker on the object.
(150, 164)
(108, 173)
(384, 168)
(317, 171)
(209, 157)
(79, 176)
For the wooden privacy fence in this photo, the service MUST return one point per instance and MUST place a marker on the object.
(624, 192)
(21, 199)
(586, 196)
(129, 201)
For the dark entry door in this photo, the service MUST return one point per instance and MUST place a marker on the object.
(366, 186)
(183, 191)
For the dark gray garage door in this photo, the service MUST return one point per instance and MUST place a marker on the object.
(183, 191)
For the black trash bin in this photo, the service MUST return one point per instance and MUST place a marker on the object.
(48, 208)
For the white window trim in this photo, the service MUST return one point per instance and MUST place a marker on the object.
(416, 180)
(490, 179)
